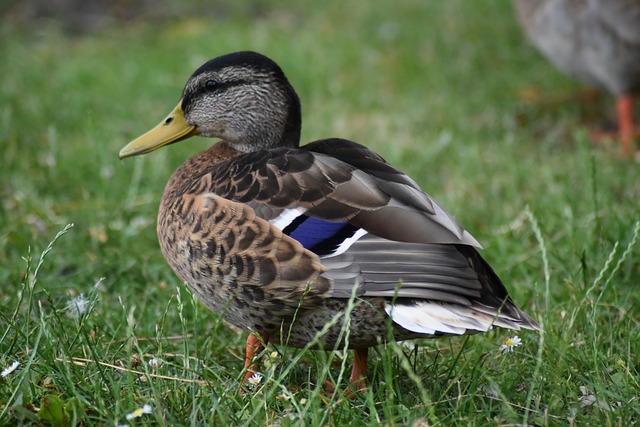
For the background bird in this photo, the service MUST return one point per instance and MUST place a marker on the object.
(595, 41)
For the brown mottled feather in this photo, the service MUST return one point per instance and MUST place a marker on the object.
(228, 216)
(235, 261)
(241, 265)
(336, 185)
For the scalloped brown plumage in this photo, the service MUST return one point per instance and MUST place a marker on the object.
(278, 238)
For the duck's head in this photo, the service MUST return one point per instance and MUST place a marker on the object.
(243, 98)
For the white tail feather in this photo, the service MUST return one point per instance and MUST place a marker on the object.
(431, 317)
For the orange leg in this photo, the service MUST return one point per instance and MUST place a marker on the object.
(625, 123)
(358, 376)
(359, 372)
(255, 345)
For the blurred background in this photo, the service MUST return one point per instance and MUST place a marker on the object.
(450, 91)
(82, 17)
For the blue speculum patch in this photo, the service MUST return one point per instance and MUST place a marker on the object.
(319, 236)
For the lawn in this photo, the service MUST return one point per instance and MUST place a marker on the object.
(449, 92)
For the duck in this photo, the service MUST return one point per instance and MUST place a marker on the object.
(595, 41)
(324, 244)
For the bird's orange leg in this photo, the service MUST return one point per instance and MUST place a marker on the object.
(625, 123)
(255, 345)
(358, 376)
(359, 372)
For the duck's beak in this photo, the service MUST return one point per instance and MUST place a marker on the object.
(172, 129)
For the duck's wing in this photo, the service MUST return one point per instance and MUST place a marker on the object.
(433, 286)
(430, 288)
(375, 232)
(336, 181)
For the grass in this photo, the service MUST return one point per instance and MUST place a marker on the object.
(450, 92)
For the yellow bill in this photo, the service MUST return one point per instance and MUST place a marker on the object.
(172, 129)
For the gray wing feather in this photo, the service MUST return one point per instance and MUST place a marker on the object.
(403, 270)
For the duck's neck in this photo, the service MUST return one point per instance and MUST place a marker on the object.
(289, 138)
(268, 132)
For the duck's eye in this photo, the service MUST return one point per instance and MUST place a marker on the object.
(211, 84)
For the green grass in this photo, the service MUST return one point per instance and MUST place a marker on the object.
(449, 91)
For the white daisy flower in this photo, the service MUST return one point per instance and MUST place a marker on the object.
(254, 380)
(510, 344)
(138, 412)
(9, 369)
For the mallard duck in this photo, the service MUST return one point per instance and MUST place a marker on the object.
(278, 238)
(596, 41)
